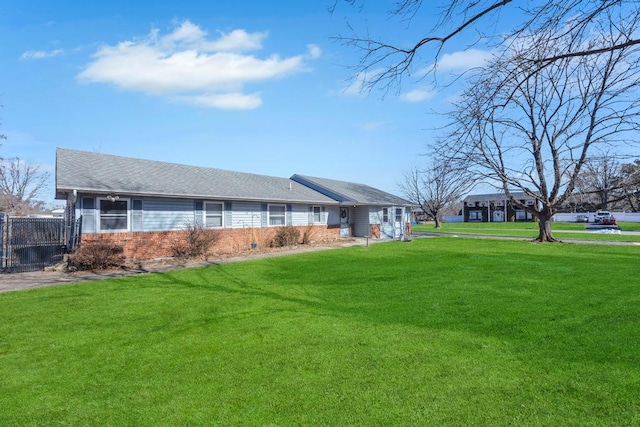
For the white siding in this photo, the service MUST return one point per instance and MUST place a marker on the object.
(300, 215)
(246, 214)
(360, 216)
(166, 214)
(333, 215)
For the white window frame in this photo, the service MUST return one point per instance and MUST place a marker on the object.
(398, 215)
(317, 215)
(385, 215)
(475, 215)
(206, 214)
(273, 217)
(100, 216)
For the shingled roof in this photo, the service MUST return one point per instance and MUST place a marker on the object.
(99, 173)
(350, 192)
(517, 195)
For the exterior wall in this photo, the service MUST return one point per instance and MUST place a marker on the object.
(245, 214)
(391, 229)
(333, 215)
(167, 214)
(486, 212)
(146, 245)
(157, 224)
(374, 231)
(360, 219)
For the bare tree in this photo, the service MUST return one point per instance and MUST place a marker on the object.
(631, 185)
(606, 183)
(20, 184)
(385, 63)
(535, 134)
(600, 182)
(437, 186)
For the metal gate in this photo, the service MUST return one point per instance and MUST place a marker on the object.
(30, 244)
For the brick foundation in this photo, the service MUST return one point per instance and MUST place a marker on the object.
(374, 231)
(146, 245)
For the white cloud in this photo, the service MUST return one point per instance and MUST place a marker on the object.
(457, 62)
(41, 54)
(313, 51)
(358, 83)
(417, 95)
(373, 125)
(186, 65)
(463, 60)
(227, 101)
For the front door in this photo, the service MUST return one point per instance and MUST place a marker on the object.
(345, 229)
(498, 216)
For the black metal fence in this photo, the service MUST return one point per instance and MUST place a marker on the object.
(30, 244)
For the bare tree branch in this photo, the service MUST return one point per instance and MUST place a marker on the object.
(20, 184)
(559, 20)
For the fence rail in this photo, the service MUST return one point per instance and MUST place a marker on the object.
(30, 244)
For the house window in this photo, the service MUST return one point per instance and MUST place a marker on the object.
(277, 214)
(475, 215)
(114, 215)
(317, 216)
(385, 214)
(212, 215)
(398, 214)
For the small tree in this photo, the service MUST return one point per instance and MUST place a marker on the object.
(631, 185)
(20, 184)
(437, 186)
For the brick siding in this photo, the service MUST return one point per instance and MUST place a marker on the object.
(146, 245)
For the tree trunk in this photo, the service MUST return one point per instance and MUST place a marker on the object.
(544, 226)
(437, 218)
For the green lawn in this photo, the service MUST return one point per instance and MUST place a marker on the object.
(438, 331)
(561, 230)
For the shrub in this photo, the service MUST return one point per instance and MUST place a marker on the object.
(97, 256)
(196, 241)
(308, 234)
(285, 236)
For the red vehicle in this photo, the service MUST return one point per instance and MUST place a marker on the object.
(605, 218)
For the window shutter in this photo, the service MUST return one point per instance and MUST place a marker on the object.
(265, 215)
(228, 214)
(88, 215)
(289, 215)
(198, 206)
(136, 215)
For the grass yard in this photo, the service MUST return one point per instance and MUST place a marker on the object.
(561, 230)
(438, 331)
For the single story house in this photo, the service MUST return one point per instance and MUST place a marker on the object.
(496, 207)
(144, 205)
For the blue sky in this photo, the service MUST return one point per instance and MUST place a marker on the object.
(250, 86)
